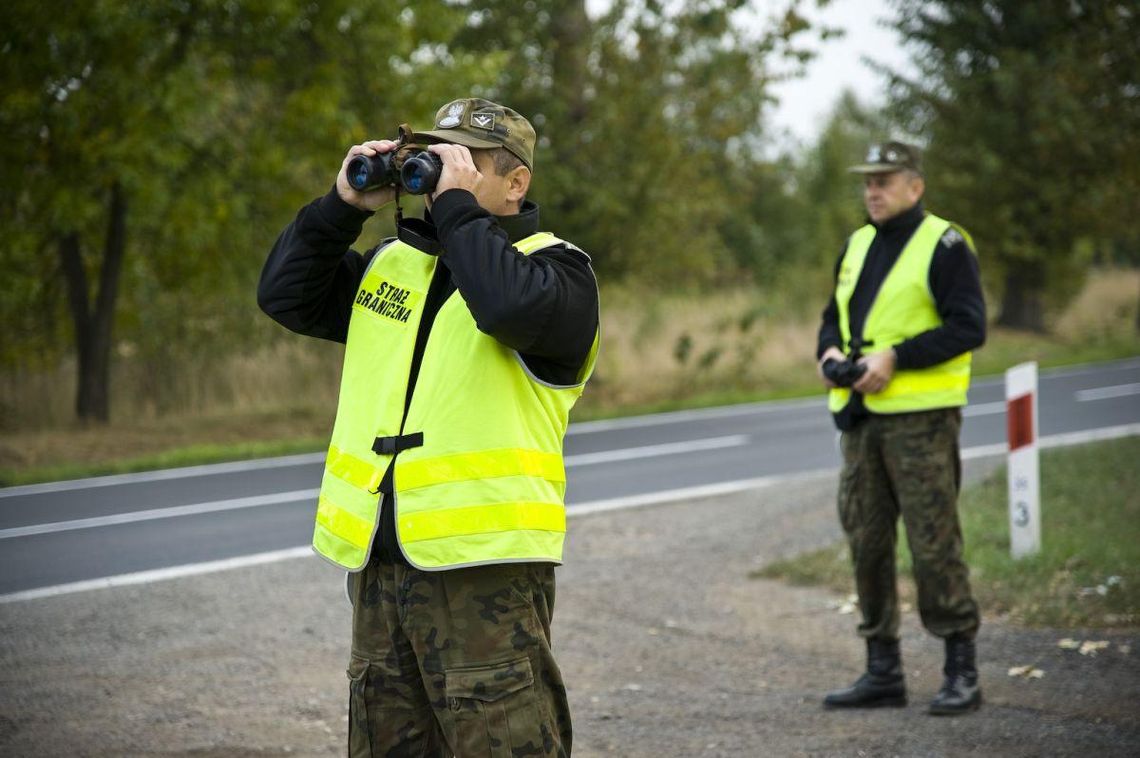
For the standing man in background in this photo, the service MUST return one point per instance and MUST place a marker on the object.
(894, 351)
(468, 339)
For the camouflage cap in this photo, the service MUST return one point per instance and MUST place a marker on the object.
(888, 157)
(481, 124)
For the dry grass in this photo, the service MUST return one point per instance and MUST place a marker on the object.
(1107, 303)
(286, 390)
(288, 373)
(149, 438)
(665, 348)
(658, 350)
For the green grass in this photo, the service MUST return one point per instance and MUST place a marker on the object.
(1090, 532)
(1006, 348)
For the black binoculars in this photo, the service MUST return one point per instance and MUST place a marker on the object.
(416, 172)
(843, 373)
(409, 166)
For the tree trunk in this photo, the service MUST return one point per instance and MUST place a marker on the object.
(570, 36)
(1022, 306)
(568, 108)
(94, 326)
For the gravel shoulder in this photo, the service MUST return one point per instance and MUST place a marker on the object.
(667, 646)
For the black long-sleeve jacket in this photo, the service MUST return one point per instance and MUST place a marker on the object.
(954, 282)
(544, 305)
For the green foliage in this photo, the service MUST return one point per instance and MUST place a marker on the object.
(1032, 111)
(796, 212)
(219, 118)
(648, 118)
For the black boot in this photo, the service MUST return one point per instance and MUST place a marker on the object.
(960, 692)
(882, 684)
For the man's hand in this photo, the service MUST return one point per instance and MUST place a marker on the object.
(373, 199)
(880, 369)
(831, 352)
(459, 171)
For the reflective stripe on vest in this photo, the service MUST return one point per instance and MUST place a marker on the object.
(487, 485)
(903, 307)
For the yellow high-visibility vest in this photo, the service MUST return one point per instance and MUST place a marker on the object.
(486, 482)
(903, 308)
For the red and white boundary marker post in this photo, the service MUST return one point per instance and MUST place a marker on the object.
(1024, 482)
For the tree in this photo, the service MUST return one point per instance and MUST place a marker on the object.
(831, 191)
(1032, 111)
(153, 150)
(648, 116)
(797, 211)
(149, 145)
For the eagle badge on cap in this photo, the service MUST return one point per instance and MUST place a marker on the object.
(454, 112)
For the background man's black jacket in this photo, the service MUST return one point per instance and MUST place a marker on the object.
(954, 282)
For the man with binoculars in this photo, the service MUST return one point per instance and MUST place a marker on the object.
(894, 352)
(468, 338)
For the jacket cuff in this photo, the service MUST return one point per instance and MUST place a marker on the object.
(339, 214)
(823, 346)
(902, 357)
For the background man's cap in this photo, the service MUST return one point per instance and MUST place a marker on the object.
(888, 157)
(481, 124)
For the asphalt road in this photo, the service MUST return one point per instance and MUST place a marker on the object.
(63, 536)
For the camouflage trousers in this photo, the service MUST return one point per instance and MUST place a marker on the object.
(455, 663)
(906, 464)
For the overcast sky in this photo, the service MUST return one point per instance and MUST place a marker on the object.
(805, 103)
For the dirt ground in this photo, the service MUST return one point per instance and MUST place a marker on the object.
(667, 646)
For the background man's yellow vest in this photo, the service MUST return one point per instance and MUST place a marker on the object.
(903, 308)
(487, 484)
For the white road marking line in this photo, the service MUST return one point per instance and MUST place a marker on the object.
(584, 427)
(1057, 440)
(692, 493)
(585, 459)
(157, 575)
(696, 414)
(984, 409)
(1089, 435)
(582, 509)
(185, 472)
(1104, 393)
(984, 451)
(654, 451)
(305, 551)
(194, 509)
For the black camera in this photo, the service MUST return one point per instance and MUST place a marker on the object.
(843, 373)
(410, 166)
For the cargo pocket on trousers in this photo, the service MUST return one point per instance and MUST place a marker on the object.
(494, 710)
(359, 733)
